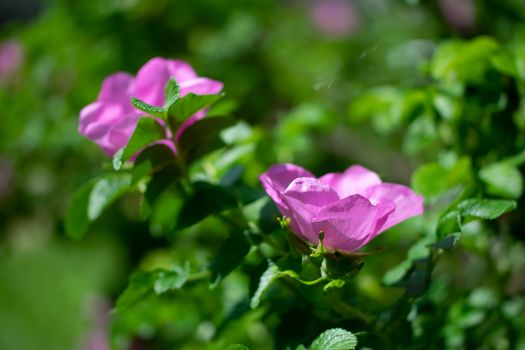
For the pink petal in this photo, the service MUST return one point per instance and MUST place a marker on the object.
(181, 70)
(122, 130)
(407, 203)
(200, 86)
(151, 81)
(98, 113)
(11, 57)
(276, 180)
(167, 143)
(355, 180)
(117, 88)
(350, 223)
(88, 115)
(108, 125)
(305, 197)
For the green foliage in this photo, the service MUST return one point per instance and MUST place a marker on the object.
(202, 137)
(147, 131)
(77, 220)
(91, 200)
(450, 114)
(207, 199)
(433, 179)
(105, 191)
(142, 284)
(502, 179)
(463, 61)
(237, 347)
(148, 109)
(230, 255)
(335, 339)
(485, 208)
(172, 94)
(188, 105)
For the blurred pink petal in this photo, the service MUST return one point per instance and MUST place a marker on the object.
(11, 58)
(335, 18)
(200, 86)
(459, 13)
(111, 119)
(151, 80)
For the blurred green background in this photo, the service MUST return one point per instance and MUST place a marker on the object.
(293, 70)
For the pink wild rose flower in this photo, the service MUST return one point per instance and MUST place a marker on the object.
(350, 208)
(111, 119)
(11, 58)
(335, 18)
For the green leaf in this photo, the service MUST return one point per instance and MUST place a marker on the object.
(395, 274)
(171, 96)
(502, 179)
(77, 221)
(485, 208)
(91, 200)
(449, 223)
(416, 254)
(381, 104)
(153, 159)
(140, 286)
(230, 255)
(186, 106)
(117, 159)
(160, 181)
(505, 62)
(105, 191)
(172, 93)
(335, 339)
(147, 131)
(162, 206)
(432, 179)
(447, 242)
(223, 107)
(421, 135)
(156, 282)
(169, 280)
(463, 61)
(147, 108)
(268, 276)
(207, 199)
(237, 347)
(418, 280)
(202, 137)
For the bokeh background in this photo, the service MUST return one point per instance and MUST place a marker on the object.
(293, 71)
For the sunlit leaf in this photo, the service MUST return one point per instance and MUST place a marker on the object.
(188, 105)
(105, 191)
(486, 208)
(335, 339)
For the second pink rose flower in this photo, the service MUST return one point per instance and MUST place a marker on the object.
(111, 119)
